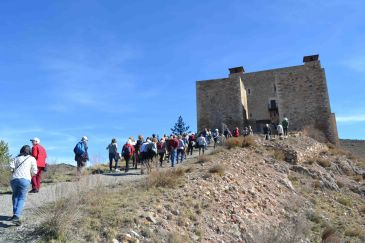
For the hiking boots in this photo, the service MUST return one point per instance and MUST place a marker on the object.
(34, 191)
(16, 220)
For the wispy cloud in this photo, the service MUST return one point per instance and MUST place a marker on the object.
(91, 78)
(356, 63)
(351, 118)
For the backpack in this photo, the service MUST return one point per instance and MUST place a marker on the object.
(126, 151)
(159, 146)
(150, 148)
(174, 143)
(78, 150)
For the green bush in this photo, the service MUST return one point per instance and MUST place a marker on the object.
(5, 158)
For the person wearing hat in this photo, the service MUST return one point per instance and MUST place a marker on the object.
(215, 137)
(81, 154)
(40, 154)
(285, 124)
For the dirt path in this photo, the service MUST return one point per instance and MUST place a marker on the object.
(51, 193)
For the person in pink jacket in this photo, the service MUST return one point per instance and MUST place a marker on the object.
(40, 154)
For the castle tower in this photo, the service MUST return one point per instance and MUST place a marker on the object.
(257, 98)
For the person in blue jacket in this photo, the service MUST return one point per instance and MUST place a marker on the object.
(81, 154)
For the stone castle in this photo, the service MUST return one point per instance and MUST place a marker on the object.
(298, 93)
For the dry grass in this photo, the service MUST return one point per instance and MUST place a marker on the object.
(203, 159)
(59, 217)
(362, 209)
(169, 178)
(98, 169)
(337, 151)
(355, 231)
(310, 161)
(176, 238)
(316, 184)
(217, 169)
(345, 201)
(357, 178)
(340, 184)
(324, 162)
(315, 133)
(278, 155)
(329, 235)
(59, 173)
(218, 150)
(248, 141)
(240, 142)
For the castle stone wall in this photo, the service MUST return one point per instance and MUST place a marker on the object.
(219, 102)
(300, 93)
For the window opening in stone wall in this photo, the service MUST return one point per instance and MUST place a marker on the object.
(274, 88)
(273, 111)
(249, 91)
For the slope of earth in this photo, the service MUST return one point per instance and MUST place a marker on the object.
(357, 147)
(292, 190)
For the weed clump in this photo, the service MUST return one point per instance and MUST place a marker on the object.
(59, 217)
(240, 142)
(324, 163)
(278, 155)
(344, 201)
(169, 178)
(217, 169)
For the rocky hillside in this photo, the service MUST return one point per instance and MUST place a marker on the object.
(356, 147)
(292, 190)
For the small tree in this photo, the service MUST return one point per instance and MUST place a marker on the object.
(180, 127)
(4, 163)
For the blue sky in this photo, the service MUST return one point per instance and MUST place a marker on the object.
(118, 68)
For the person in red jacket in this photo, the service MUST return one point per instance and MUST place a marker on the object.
(39, 153)
(236, 132)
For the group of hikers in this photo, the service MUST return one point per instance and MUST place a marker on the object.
(281, 129)
(28, 166)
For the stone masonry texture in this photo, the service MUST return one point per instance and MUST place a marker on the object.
(298, 93)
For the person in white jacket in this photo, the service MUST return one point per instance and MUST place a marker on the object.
(23, 167)
(280, 130)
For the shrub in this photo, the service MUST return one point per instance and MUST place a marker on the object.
(344, 201)
(324, 163)
(233, 143)
(58, 219)
(340, 184)
(310, 161)
(248, 141)
(293, 178)
(242, 142)
(176, 238)
(169, 178)
(317, 184)
(217, 169)
(354, 231)
(5, 158)
(314, 217)
(329, 236)
(358, 178)
(98, 169)
(362, 209)
(279, 155)
(203, 158)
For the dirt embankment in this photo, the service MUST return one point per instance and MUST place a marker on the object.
(292, 190)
